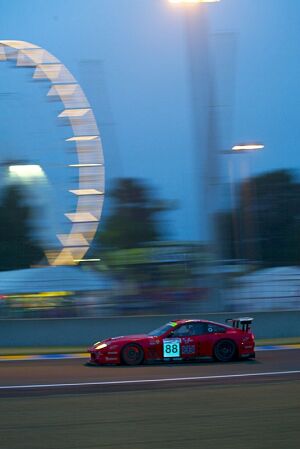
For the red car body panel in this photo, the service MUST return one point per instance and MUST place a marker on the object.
(191, 346)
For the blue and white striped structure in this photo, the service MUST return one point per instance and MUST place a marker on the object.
(85, 136)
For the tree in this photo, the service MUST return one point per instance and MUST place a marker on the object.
(17, 247)
(265, 226)
(133, 218)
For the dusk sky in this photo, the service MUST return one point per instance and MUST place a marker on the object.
(130, 58)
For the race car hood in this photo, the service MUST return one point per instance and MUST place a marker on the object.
(124, 339)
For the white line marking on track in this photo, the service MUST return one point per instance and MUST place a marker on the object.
(145, 381)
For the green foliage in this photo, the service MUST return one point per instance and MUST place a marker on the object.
(265, 226)
(133, 218)
(17, 248)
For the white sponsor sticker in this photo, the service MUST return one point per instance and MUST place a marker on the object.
(171, 347)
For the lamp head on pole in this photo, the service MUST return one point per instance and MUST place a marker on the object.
(178, 2)
(248, 147)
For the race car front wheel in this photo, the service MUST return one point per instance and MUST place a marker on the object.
(224, 350)
(132, 354)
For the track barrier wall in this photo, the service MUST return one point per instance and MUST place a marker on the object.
(84, 331)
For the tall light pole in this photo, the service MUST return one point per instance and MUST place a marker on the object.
(204, 125)
(241, 148)
(204, 122)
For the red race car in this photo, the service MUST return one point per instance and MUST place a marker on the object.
(179, 340)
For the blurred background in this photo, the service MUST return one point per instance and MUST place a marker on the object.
(197, 110)
(149, 171)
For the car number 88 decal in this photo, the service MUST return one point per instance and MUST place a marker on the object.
(171, 347)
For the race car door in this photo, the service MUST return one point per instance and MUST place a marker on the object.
(191, 338)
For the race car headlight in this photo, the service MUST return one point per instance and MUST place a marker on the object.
(101, 346)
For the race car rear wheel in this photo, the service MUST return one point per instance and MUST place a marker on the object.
(132, 354)
(224, 350)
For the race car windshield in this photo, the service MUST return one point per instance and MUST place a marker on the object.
(161, 330)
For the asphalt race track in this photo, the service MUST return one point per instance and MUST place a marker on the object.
(67, 405)
(57, 375)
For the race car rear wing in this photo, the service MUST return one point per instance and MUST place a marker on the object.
(243, 323)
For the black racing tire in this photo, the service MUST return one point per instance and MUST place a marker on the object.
(225, 350)
(132, 354)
